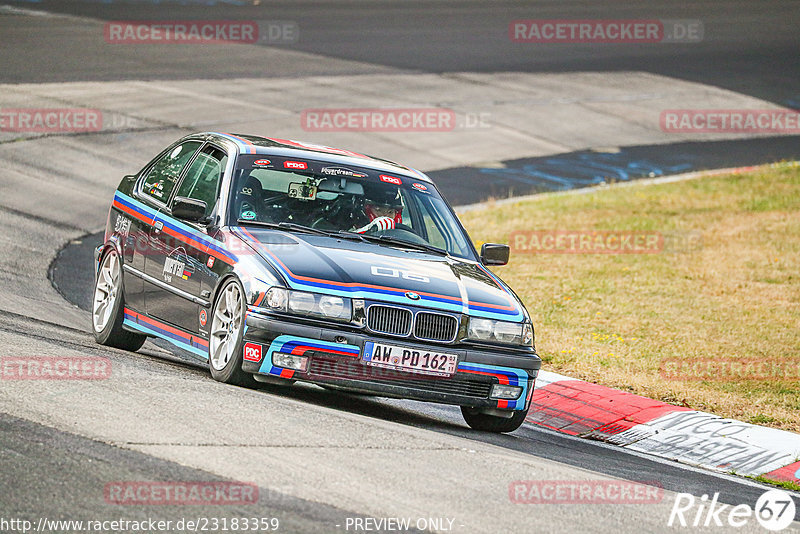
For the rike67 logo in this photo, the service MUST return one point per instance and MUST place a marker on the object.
(774, 510)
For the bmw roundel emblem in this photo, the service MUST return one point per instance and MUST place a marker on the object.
(412, 295)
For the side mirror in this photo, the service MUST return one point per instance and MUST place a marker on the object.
(494, 254)
(189, 209)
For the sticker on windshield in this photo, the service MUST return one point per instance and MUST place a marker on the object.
(301, 165)
(390, 179)
(248, 215)
(420, 187)
(262, 162)
(341, 171)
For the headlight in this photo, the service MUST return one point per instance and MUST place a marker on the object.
(508, 332)
(500, 331)
(310, 304)
(302, 303)
(332, 306)
(481, 328)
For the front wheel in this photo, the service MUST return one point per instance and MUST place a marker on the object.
(493, 423)
(227, 335)
(108, 307)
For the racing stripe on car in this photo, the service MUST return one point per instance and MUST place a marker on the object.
(320, 148)
(500, 284)
(300, 345)
(245, 145)
(331, 284)
(302, 348)
(177, 337)
(505, 375)
(446, 302)
(176, 229)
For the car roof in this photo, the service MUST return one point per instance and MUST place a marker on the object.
(251, 144)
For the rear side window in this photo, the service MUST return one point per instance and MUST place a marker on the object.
(162, 177)
(203, 177)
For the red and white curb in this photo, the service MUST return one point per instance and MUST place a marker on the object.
(645, 425)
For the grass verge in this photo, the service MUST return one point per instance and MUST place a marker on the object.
(783, 484)
(710, 320)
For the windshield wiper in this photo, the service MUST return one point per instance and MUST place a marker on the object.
(347, 234)
(403, 243)
(289, 226)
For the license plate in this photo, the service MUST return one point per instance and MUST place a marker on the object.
(409, 360)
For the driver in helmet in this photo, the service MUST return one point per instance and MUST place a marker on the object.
(383, 209)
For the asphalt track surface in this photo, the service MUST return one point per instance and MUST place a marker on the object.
(585, 168)
(750, 49)
(318, 457)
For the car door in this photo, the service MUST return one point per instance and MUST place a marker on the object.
(155, 190)
(184, 266)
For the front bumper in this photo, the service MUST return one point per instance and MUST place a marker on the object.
(334, 359)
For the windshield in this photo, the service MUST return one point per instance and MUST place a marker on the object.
(335, 198)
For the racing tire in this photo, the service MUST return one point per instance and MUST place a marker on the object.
(108, 307)
(493, 423)
(226, 339)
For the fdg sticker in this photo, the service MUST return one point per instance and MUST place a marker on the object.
(301, 165)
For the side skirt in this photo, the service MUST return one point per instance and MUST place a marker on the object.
(152, 327)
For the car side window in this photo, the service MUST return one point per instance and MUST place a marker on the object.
(204, 176)
(439, 235)
(162, 177)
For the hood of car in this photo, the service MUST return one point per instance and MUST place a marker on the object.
(377, 272)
